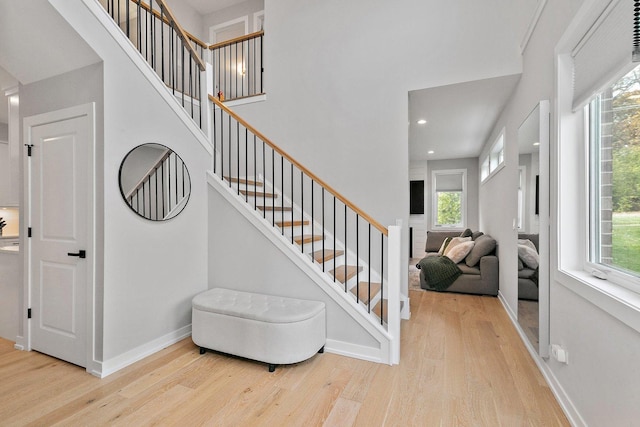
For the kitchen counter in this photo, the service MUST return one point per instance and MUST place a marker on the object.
(9, 244)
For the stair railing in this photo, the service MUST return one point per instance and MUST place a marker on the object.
(237, 66)
(175, 55)
(242, 151)
(163, 190)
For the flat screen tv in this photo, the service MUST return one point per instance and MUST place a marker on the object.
(416, 197)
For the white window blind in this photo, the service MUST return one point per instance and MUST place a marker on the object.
(449, 181)
(603, 51)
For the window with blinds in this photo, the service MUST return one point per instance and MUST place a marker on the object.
(449, 198)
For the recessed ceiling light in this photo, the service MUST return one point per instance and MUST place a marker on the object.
(536, 144)
(422, 122)
(430, 152)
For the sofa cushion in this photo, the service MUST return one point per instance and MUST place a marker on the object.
(485, 245)
(444, 245)
(466, 233)
(468, 270)
(435, 239)
(528, 255)
(458, 252)
(526, 273)
(476, 234)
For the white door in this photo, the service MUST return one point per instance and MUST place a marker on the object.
(59, 208)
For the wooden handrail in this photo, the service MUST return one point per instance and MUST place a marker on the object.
(166, 21)
(237, 40)
(294, 162)
(170, 20)
(182, 33)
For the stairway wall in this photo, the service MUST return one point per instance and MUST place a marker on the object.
(242, 258)
(148, 272)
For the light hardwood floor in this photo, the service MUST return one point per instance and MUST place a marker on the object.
(462, 364)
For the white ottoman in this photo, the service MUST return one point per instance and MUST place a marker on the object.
(274, 330)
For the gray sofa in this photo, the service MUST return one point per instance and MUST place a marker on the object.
(527, 277)
(479, 279)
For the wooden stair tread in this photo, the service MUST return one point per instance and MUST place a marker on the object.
(326, 255)
(308, 238)
(243, 181)
(381, 304)
(289, 223)
(363, 290)
(275, 208)
(258, 194)
(345, 272)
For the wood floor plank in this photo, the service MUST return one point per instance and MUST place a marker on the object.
(462, 363)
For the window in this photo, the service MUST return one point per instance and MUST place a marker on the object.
(494, 160)
(614, 164)
(449, 198)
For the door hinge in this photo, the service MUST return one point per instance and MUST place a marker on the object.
(28, 313)
(29, 147)
(29, 232)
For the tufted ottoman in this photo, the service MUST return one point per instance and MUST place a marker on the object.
(274, 330)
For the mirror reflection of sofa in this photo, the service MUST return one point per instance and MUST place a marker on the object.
(527, 276)
(479, 276)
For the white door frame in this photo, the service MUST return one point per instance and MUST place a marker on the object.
(94, 366)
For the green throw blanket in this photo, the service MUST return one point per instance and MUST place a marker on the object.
(439, 271)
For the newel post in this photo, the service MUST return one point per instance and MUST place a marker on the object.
(394, 280)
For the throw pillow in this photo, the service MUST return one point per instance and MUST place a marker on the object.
(466, 233)
(528, 256)
(476, 234)
(528, 243)
(444, 246)
(459, 251)
(485, 244)
(520, 264)
(456, 241)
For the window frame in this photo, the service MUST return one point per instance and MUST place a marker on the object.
(434, 200)
(570, 189)
(612, 273)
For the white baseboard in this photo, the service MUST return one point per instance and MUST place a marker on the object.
(342, 348)
(20, 343)
(123, 360)
(561, 396)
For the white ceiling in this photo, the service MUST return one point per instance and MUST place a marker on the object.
(459, 117)
(34, 27)
(207, 6)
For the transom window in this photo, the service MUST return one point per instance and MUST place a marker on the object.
(494, 159)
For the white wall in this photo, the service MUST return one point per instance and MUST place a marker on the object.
(337, 77)
(245, 9)
(150, 271)
(600, 383)
(188, 18)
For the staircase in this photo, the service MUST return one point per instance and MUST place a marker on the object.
(319, 244)
(355, 260)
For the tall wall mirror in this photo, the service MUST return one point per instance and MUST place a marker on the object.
(154, 182)
(533, 227)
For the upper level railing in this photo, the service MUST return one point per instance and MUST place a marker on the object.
(175, 55)
(334, 222)
(237, 66)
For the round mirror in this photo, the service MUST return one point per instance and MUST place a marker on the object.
(154, 182)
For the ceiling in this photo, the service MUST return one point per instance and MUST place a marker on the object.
(459, 117)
